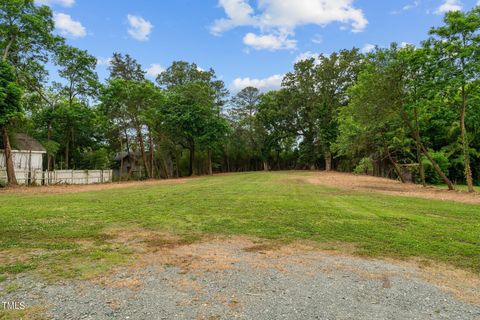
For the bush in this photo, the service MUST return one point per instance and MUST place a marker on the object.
(365, 166)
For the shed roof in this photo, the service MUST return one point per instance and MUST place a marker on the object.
(124, 154)
(22, 141)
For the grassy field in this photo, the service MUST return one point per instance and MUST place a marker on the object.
(64, 235)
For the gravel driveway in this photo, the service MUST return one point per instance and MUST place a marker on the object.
(238, 278)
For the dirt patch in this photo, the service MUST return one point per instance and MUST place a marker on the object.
(262, 248)
(218, 254)
(345, 181)
(60, 189)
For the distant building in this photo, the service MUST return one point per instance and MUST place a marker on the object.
(27, 153)
(129, 164)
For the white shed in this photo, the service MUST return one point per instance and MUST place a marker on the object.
(27, 153)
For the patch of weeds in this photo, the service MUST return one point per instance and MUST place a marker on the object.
(61, 245)
(81, 263)
(12, 287)
(15, 268)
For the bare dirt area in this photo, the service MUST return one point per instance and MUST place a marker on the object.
(63, 188)
(361, 183)
(238, 277)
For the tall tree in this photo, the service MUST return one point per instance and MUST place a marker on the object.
(302, 88)
(455, 48)
(198, 95)
(10, 107)
(25, 41)
(273, 125)
(335, 74)
(125, 101)
(126, 68)
(77, 67)
(243, 111)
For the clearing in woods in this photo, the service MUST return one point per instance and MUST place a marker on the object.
(320, 225)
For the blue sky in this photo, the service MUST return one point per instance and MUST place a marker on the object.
(247, 42)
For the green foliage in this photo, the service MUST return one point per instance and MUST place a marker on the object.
(51, 146)
(96, 159)
(365, 166)
(125, 68)
(317, 89)
(442, 160)
(77, 67)
(26, 39)
(10, 94)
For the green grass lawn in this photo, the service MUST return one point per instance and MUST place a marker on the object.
(266, 205)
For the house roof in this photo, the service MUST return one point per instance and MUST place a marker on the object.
(22, 141)
(124, 154)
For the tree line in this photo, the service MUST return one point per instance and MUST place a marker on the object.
(404, 112)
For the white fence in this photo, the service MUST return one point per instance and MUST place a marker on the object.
(38, 177)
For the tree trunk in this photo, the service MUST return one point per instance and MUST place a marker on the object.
(395, 166)
(67, 151)
(192, 160)
(142, 149)
(328, 161)
(167, 168)
(279, 167)
(11, 179)
(49, 156)
(421, 168)
(121, 158)
(129, 157)
(210, 167)
(465, 144)
(152, 154)
(177, 167)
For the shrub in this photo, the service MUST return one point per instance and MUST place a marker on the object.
(365, 166)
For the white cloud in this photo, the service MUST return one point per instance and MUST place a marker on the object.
(282, 17)
(368, 48)
(408, 7)
(68, 26)
(154, 70)
(65, 3)
(269, 42)
(306, 56)
(103, 61)
(140, 28)
(317, 39)
(239, 13)
(449, 5)
(268, 84)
